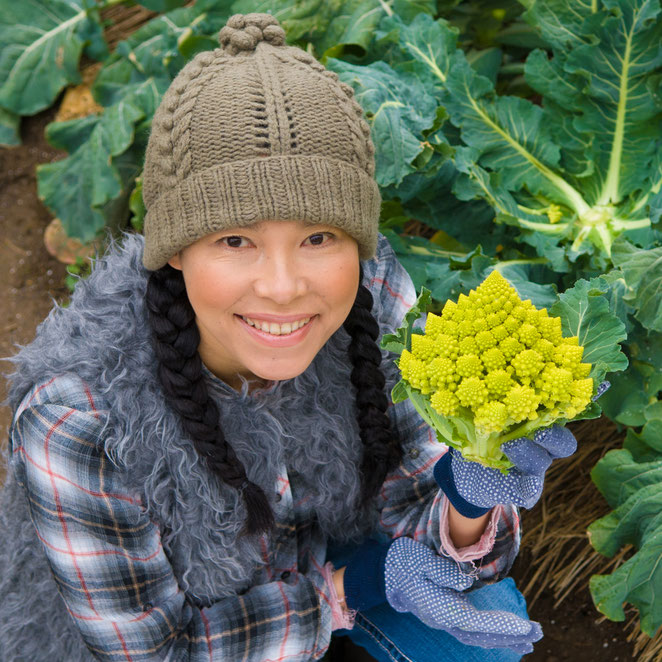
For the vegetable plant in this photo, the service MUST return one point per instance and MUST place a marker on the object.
(491, 368)
(522, 137)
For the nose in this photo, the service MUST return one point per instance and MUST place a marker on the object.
(280, 278)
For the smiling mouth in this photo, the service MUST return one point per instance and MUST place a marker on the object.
(274, 328)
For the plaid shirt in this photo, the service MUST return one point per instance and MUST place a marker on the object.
(116, 580)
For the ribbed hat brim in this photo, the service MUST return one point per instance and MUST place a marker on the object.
(313, 189)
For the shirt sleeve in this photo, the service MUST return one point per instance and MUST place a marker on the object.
(410, 502)
(111, 569)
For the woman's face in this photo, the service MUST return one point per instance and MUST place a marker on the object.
(267, 297)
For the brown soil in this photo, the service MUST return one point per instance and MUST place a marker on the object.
(31, 278)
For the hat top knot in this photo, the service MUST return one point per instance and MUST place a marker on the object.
(243, 32)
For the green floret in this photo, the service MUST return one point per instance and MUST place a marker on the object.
(433, 325)
(545, 349)
(528, 334)
(468, 345)
(522, 403)
(449, 311)
(582, 392)
(568, 356)
(446, 346)
(499, 382)
(469, 365)
(414, 371)
(472, 392)
(555, 381)
(491, 417)
(403, 362)
(465, 328)
(534, 316)
(500, 332)
(493, 358)
(423, 348)
(480, 325)
(449, 327)
(491, 368)
(510, 347)
(550, 329)
(528, 363)
(440, 370)
(512, 324)
(581, 370)
(485, 340)
(444, 402)
(520, 311)
(493, 320)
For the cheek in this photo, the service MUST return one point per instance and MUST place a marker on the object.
(209, 291)
(343, 286)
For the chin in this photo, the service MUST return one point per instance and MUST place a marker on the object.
(276, 375)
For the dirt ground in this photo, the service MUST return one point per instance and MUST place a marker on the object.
(29, 281)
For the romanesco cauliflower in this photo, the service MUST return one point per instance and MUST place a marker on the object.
(491, 368)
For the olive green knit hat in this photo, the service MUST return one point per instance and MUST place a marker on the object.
(256, 130)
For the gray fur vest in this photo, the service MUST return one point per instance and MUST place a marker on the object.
(307, 423)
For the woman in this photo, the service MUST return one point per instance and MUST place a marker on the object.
(203, 460)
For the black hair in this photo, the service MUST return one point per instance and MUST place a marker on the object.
(176, 341)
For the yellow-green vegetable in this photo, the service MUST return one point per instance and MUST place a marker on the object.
(491, 368)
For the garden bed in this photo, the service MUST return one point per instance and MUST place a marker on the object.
(556, 559)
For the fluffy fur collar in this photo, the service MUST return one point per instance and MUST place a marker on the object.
(306, 424)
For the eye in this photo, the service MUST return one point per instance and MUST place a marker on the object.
(319, 238)
(234, 241)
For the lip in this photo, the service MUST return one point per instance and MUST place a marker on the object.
(278, 319)
(268, 340)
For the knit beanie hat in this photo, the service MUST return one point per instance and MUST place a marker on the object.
(256, 130)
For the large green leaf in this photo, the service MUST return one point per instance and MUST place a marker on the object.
(563, 25)
(427, 195)
(41, 42)
(9, 126)
(642, 271)
(634, 489)
(396, 124)
(81, 189)
(77, 187)
(617, 105)
(161, 5)
(584, 311)
(327, 24)
(582, 168)
(447, 274)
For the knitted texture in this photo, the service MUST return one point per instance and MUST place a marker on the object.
(256, 130)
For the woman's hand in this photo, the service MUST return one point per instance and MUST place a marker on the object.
(430, 586)
(473, 489)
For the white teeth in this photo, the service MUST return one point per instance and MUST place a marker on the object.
(277, 329)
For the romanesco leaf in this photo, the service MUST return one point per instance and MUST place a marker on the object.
(401, 339)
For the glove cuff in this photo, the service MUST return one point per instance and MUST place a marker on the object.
(443, 474)
(364, 576)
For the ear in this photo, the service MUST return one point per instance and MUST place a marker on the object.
(175, 262)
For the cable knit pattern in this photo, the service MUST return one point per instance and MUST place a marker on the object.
(257, 130)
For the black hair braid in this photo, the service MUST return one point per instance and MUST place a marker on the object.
(176, 341)
(382, 451)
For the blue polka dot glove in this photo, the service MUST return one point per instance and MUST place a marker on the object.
(430, 586)
(474, 489)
